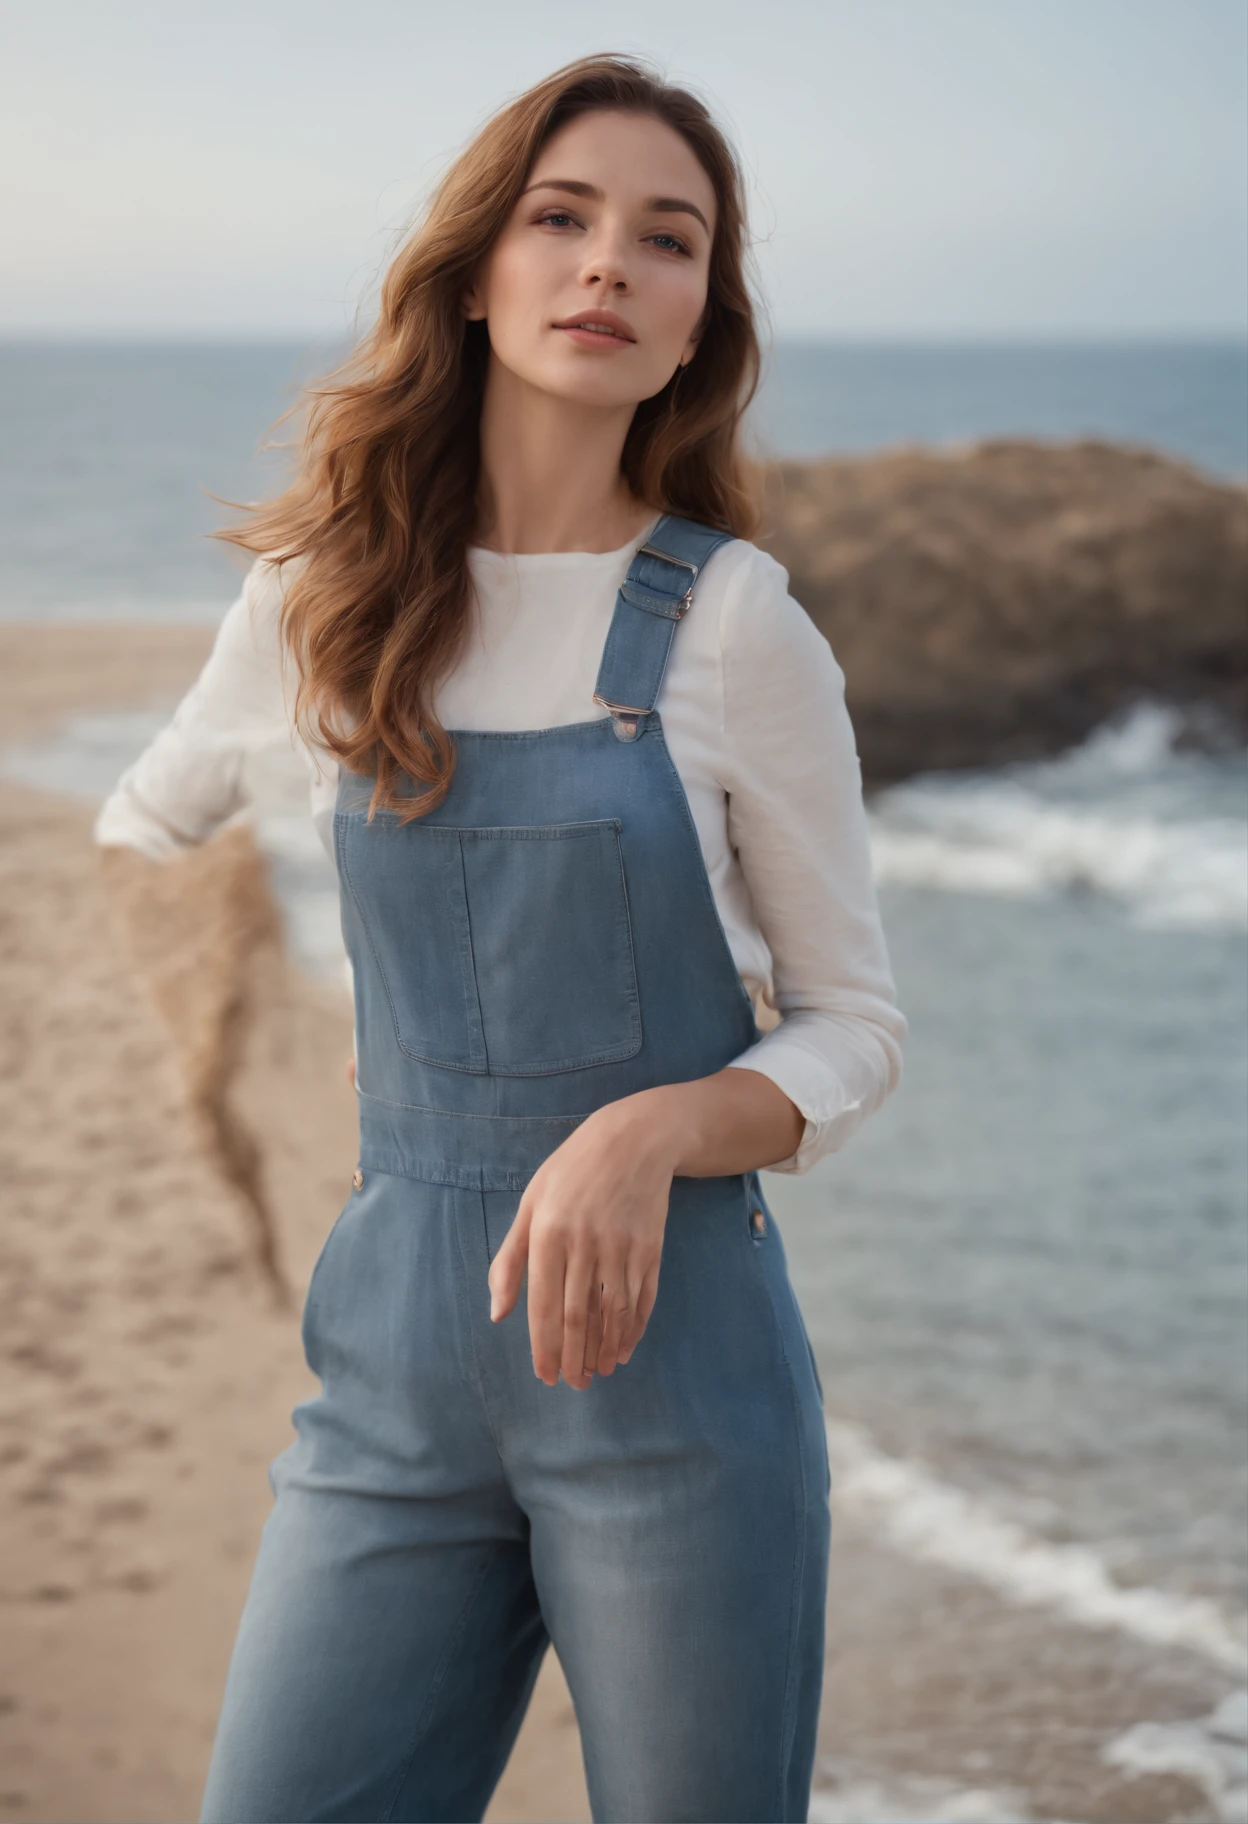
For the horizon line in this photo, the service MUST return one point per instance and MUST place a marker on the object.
(149, 337)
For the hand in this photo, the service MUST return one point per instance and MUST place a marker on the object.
(590, 1224)
(351, 1070)
(591, 1220)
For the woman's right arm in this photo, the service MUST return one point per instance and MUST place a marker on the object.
(190, 778)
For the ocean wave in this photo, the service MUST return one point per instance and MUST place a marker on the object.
(1126, 816)
(912, 1800)
(1211, 1753)
(84, 756)
(926, 1518)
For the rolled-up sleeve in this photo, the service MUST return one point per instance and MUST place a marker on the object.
(190, 779)
(798, 824)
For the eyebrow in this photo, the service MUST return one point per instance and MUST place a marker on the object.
(667, 205)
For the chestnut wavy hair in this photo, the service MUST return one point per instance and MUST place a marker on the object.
(383, 504)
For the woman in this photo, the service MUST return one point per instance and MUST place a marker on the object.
(587, 773)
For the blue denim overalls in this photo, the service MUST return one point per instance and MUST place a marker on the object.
(543, 942)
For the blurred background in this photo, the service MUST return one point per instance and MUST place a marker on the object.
(1004, 254)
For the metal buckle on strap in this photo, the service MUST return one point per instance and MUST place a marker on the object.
(624, 718)
(685, 602)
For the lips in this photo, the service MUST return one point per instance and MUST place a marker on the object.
(602, 323)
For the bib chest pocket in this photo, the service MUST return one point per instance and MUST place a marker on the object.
(504, 950)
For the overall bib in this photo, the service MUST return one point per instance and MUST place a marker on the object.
(543, 942)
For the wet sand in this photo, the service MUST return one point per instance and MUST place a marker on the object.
(149, 1381)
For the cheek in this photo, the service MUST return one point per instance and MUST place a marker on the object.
(523, 280)
(679, 304)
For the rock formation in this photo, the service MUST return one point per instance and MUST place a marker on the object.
(996, 603)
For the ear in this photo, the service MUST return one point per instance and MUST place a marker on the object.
(473, 307)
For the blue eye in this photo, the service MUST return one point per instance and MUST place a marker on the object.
(553, 218)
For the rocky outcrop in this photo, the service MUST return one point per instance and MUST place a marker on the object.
(997, 602)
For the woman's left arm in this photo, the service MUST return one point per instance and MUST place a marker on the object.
(591, 1220)
(798, 825)
(590, 1223)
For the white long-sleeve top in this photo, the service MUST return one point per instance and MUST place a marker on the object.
(753, 710)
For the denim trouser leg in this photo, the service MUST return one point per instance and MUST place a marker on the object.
(443, 1513)
(392, 1632)
(379, 1672)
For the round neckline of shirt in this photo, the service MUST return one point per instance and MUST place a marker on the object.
(560, 560)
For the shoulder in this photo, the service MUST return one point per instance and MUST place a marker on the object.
(249, 670)
(264, 589)
(251, 632)
(765, 633)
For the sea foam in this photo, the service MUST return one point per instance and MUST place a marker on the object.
(1211, 1753)
(918, 1514)
(1127, 816)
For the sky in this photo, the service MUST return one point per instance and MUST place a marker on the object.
(918, 168)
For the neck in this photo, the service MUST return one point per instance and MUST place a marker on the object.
(550, 472)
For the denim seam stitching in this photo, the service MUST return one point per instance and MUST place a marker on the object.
(573, 830)
(789, 1715)
(625, 918)
(426, 1716)
(474, 1070)
(459, 1114)
(457, 1178)
(526, 734)
(468, 966)
(666, 633)
(476, 1360)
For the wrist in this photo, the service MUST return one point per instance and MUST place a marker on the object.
(653, 1125)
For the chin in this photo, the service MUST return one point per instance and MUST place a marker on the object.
(587, 388)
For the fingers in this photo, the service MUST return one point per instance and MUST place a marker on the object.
(639, 1317)
(602, 1322)
(580, 1303)
(507, 1268)
(584, 1316)
(617, 1317)
(547, 1274)
(616, 1307)
(599, 1313)
(593, 1329)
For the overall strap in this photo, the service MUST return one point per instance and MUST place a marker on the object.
(655, 594)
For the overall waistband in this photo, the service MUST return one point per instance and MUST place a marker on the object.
(471, 1152)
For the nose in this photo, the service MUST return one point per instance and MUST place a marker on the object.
(606, 264)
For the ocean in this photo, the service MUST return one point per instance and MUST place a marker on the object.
(110, 456)
(1026, 1279)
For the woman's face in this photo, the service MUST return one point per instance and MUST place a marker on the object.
(617, 217)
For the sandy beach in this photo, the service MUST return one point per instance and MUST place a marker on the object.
(149, 1380)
